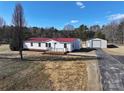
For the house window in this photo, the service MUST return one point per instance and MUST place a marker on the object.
(48, 44)
(65, 45)
(31, 43)
(39, 44)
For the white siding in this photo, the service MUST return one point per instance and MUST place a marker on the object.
(27, 45)
(59, 46)
(89, 44)
(104, 44)
(55, 46)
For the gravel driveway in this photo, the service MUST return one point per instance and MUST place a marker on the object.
(112, 71)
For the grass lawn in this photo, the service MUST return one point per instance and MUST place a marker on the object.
(115, 51)
(43, 72)
(4, 48)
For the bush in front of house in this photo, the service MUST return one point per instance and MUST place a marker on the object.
(14, 45)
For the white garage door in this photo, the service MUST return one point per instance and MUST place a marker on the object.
(96, 44)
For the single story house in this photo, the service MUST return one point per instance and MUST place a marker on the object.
(96, 43)
(52, 44)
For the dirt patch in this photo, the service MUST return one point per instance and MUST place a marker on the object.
(94, 82)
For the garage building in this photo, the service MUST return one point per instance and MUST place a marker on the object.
(96, 43)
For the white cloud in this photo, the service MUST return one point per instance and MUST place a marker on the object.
(97, 22)
(80, 4)
(115, 16)
(74, 21)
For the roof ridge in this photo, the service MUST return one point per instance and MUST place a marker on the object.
(56, 39)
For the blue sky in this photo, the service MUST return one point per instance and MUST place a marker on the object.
(58, 14)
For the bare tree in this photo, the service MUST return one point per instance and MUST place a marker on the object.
(95, 28)
(2, 22)
(121, 30)
(19, 22)
(2, 29)
(113, 30)
(110, 31)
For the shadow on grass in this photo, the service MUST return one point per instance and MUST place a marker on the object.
(7, 55)
(48, 58)
(59, 58)
(9, 60)
(85, 50)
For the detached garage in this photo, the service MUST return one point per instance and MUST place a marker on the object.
(96, 43)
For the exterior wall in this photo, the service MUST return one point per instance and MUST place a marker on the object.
(84, 44)
(103, 44)
(54, 47)
(76, 44)
(90, 43)
(27, 45)
(59, 46)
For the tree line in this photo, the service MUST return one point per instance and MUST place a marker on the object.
(112, 32)
(82, 32)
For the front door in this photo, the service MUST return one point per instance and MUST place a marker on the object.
(65, 47)
(54, 46)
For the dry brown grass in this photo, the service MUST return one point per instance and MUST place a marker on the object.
(43, 72)
(67, 75)
(4, 47)
(31, 78)
(115, 51)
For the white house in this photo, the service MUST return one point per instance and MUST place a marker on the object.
(52, 44)
(96, 43)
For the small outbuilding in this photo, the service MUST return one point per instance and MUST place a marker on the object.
(96, 43)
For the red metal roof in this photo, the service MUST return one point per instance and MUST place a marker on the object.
(64, 39)
(48, 39)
